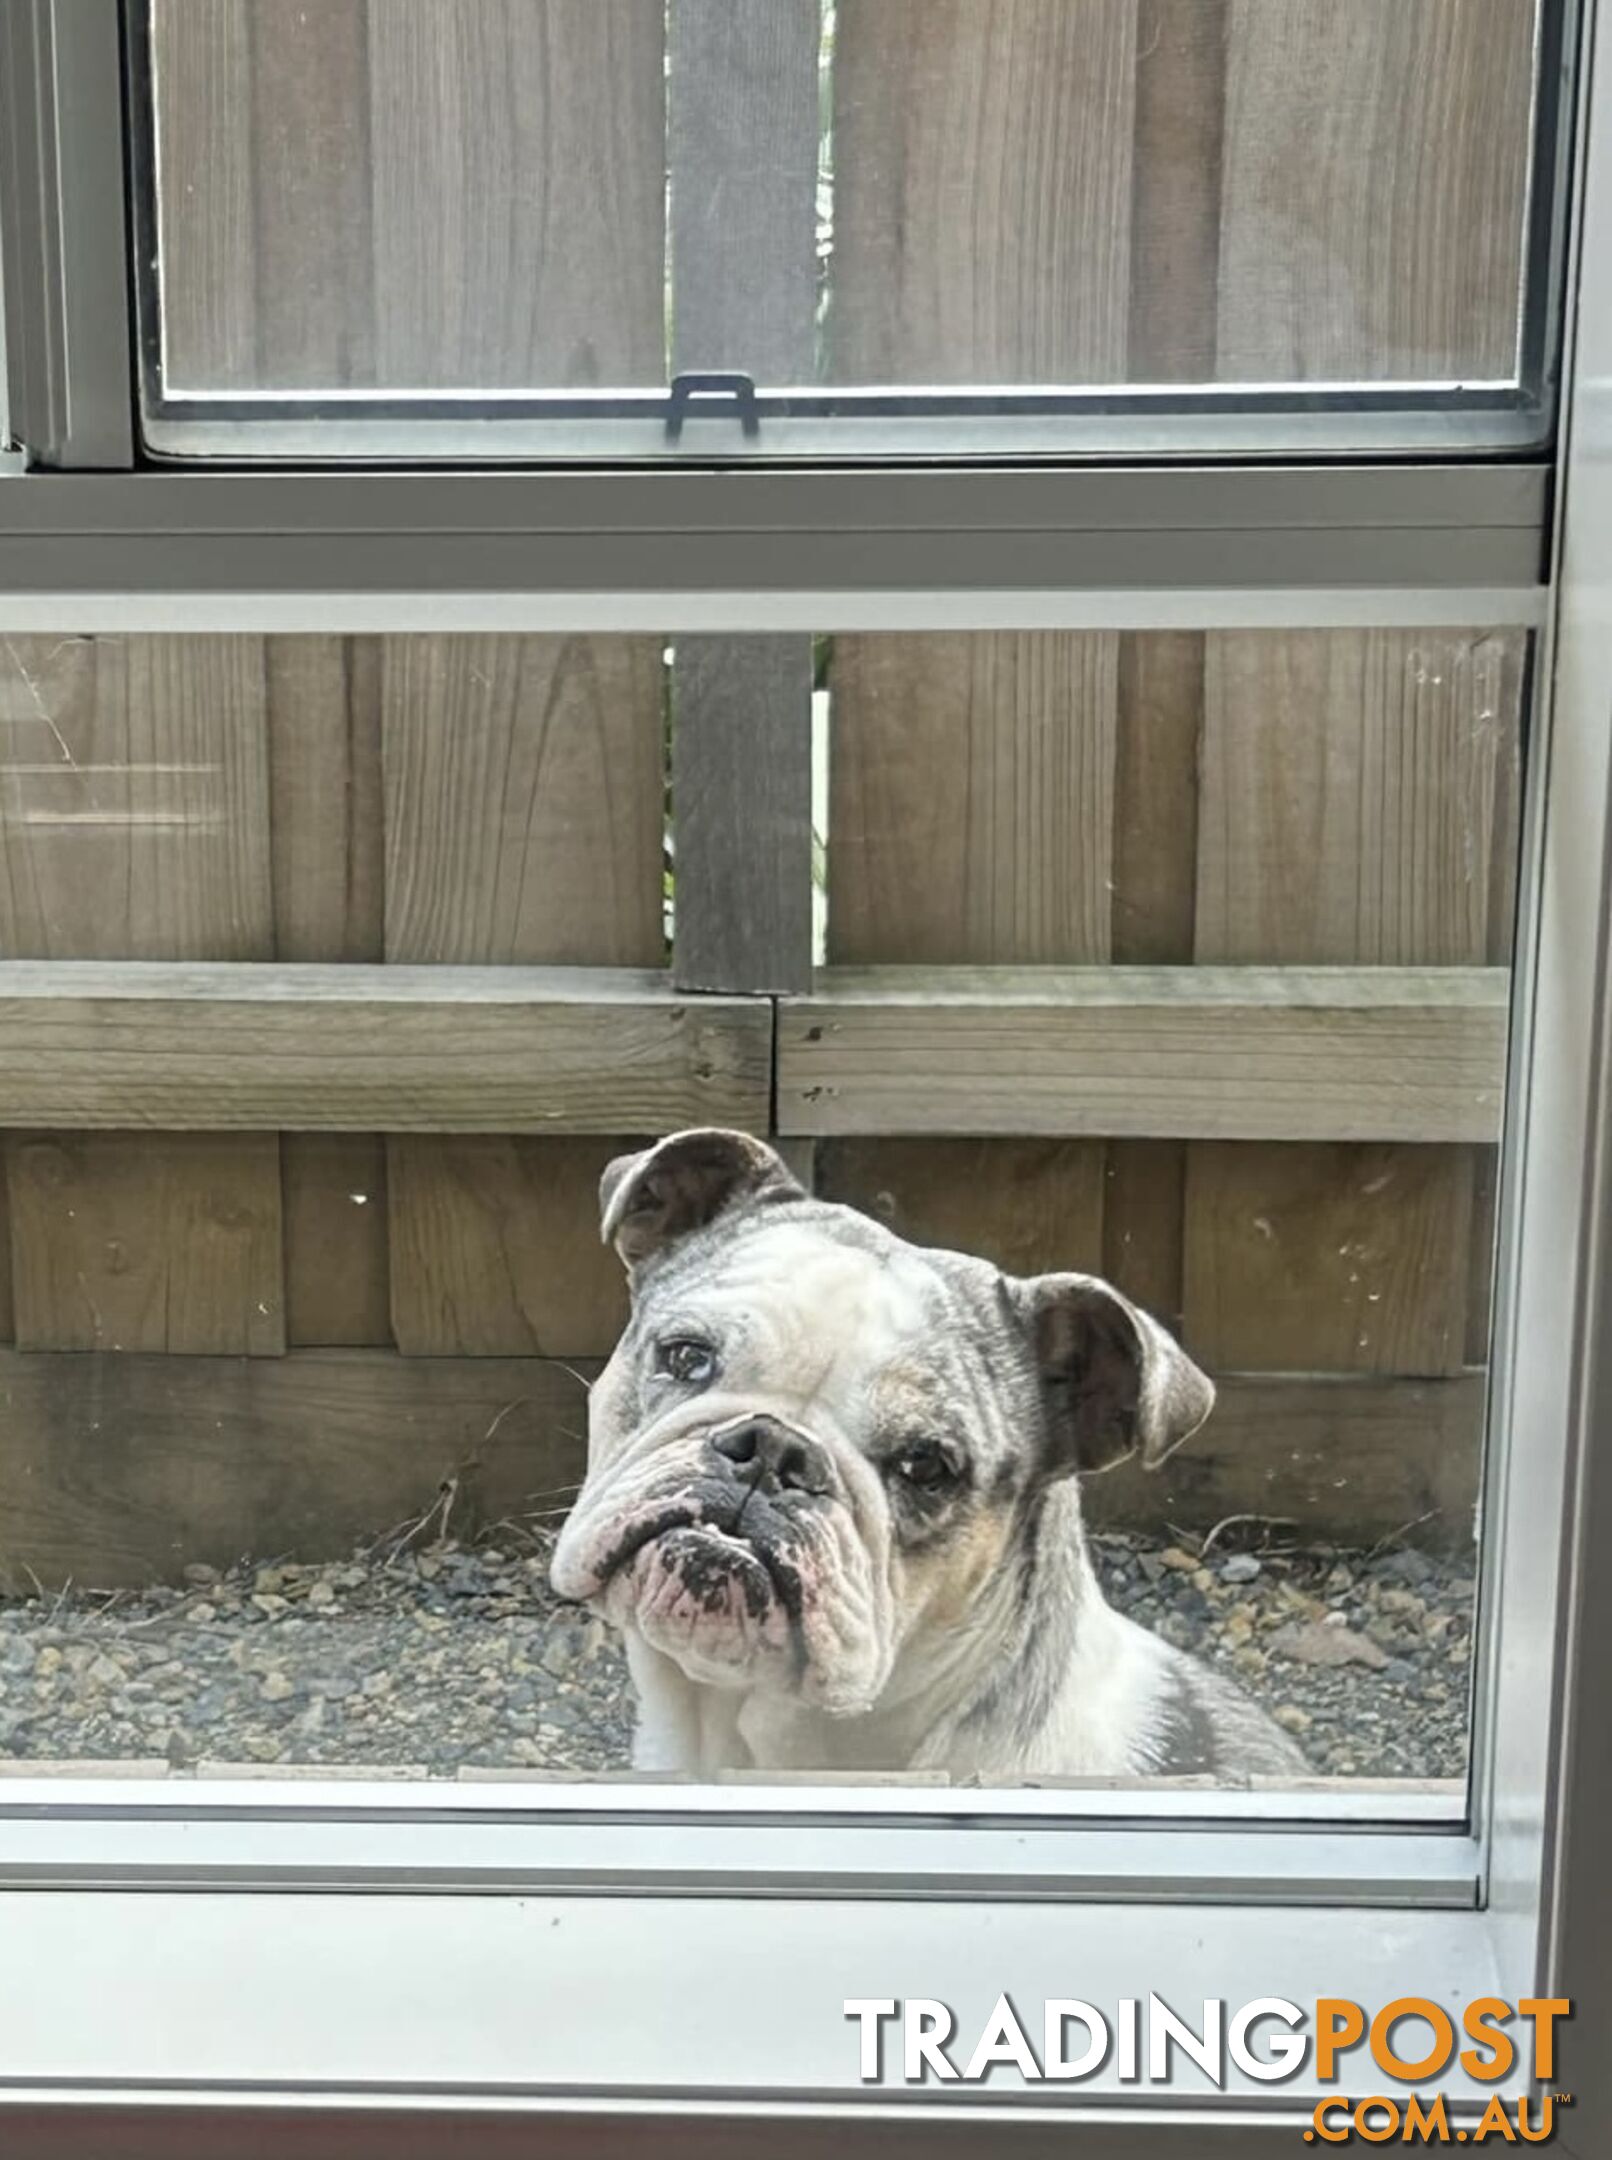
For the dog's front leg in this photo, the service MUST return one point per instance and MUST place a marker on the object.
(666, 1732)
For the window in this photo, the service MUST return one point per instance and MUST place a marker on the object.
(470, 228)
(1209, 1001)
(1014, 1037)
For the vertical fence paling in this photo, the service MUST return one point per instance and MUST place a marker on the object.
(982, 191)
(1392, 262)
(524, 787)
(972, 807)
(519, 183)
(138, 787)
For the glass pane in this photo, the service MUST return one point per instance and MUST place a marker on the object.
(894, 210)
(1165, 974)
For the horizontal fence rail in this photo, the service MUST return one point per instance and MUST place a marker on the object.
(1221, 1053)
(231, 1047)
(1201, 1053)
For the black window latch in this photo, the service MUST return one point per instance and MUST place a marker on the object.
(689, 393)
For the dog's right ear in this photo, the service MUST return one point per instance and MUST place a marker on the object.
(649, 1201)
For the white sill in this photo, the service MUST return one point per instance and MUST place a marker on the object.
(623, 2002)
(150, 1788)
(84, 611)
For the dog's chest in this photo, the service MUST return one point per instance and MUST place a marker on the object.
(779, 1734)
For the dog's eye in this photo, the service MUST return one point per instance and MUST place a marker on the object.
(687, 1359)
(925, 1465)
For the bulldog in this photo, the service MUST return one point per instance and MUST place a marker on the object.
(833, 1497)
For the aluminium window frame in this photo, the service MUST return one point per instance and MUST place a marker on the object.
(521, 2015)
(64, 251)
(1375, 545)
(884, 422)
(80, 307)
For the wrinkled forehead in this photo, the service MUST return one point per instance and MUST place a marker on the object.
(817, 1285)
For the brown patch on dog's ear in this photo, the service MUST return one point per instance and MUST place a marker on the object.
(649, 1201)
(1112, 1378)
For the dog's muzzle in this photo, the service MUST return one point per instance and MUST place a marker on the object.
(748, 1483)
(736, 1551)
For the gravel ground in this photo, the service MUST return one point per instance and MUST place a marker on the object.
(456, 1658)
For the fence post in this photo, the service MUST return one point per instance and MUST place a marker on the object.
(743, 132)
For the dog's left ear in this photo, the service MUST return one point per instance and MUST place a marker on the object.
(648, 1201)
(1112, 1379)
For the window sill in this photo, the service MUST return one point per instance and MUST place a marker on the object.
(639, 2010)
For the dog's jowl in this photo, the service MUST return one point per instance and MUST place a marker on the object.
(833, 1497)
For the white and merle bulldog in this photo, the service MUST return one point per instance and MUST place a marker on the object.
(832, 1497)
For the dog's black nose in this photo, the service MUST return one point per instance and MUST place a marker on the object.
(770, 1457)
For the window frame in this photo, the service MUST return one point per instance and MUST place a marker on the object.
(93, 1872)
(887, 422)
(1129, 546)
(64, 251)
(80, 278)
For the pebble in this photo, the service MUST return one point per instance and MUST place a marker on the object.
(1399, 1567)
(1401, 1601)
(458, 1658)
(1324, 1645)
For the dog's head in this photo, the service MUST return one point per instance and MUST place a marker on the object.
(817, 1446)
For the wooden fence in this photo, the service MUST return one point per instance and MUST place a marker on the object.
(333, 969)
(471, 192)
(292, 1243)
(1271, 1114)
